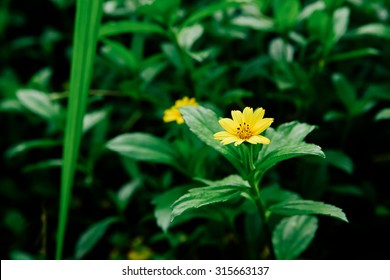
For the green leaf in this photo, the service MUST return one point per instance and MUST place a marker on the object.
(209, 10)
(378, 92)
(49, 163)
(119, 55)
(188, 35)
(308, 10)
(340, 23)
(88, 16)
(152, 66)
(204, 123)
(340, 160)
(10, 105)
(383, 114)
(92, 235)
(164, 11)
(334, 116)
(353, 54)
(346, 189)
(143, 147)
(234, 95)
(280, 50)
(32, 144)
(126, 192)
(276, 194)
(320, 27)
(345, 91)
(93, 118)
(219, 191)
(293, 235)
(286, 13)
(200, 56)
(163, 202)
(380, 30)
(173, 55)
(286, 142)
(20, 255)
(260, 23)
(38, 103)
(120, 27)
(307, 207)
(332, 4)
(41, 79)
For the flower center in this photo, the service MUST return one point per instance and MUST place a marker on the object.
(243, 131)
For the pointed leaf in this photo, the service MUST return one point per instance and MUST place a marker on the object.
(320, 27)
(280, 50)
(38, 103)
(276, 194)
(163, 202)
(119, 55)
(91, 236)
(345, 91)
(93, 118)
(353, 54)
(286, 142)
(286, 13)
(340, 23)
(383, 114)
(340, 160)
(29, 145)
(126, 192)
(293, 235)
(209, 10)
(218, 191)
(204, 123)
(143, 147)
(188, 35)
(309, 9)
(372, 29)
(307, 207)
(120, 27)
(256, 23)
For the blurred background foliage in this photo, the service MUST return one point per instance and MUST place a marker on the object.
(323, 62)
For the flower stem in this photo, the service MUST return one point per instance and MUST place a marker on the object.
(268, 232)
(253, 177)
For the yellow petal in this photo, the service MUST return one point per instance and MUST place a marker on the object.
(237, 116)
(229, 125)
(262, 125)
(257, 116)
(180, 120)
(222, 135)
(258, 139)
(247, 115)
(171, 115)
(181, 102)
(238, 142)
(229, 140)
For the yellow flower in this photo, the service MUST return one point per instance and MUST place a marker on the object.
(245, 126)
(139, 251)
(173, 114)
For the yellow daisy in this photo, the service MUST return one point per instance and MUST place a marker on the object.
(173, 114)
(245, 126)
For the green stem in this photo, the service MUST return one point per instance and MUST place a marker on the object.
(259, 203)
(268, 232)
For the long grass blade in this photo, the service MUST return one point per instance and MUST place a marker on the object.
(88, 16)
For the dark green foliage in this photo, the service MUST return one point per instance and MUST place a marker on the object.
(319, 68)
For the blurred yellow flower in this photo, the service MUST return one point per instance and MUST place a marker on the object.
(139, 251)
(245, 126)
(173, 114)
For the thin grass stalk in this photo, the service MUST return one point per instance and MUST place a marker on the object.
(88, 16)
